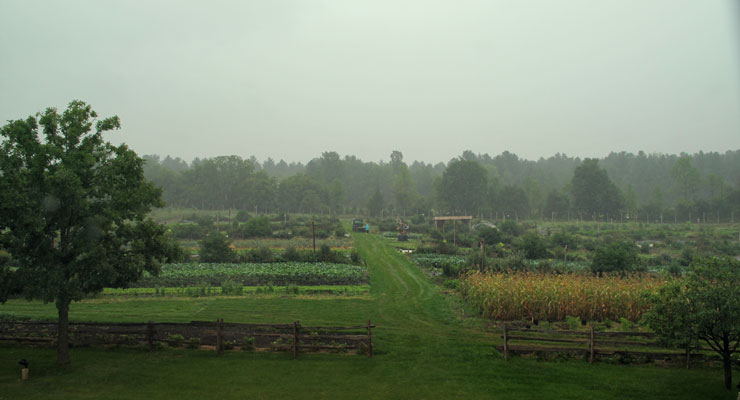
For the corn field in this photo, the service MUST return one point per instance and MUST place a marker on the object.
(552, 297)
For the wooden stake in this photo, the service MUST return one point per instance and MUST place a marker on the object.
(24, 374)
(454, 233)
(369, 340)
(506, 342)
(313, 234)
(296, 326)
(220, 336)
(150, 335)
(591, 346)
(482, 255)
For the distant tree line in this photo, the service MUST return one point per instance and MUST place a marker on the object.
(622, 186)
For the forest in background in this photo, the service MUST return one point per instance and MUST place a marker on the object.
(621, 186)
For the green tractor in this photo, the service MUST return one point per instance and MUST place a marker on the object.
(358, 226)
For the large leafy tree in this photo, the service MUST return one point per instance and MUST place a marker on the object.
(593, 192)
(686, 176)
(73, 211)
(704, 307)
(463, 187)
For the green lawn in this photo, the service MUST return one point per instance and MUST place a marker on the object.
(425, 348)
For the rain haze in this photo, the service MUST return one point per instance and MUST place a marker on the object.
(290, 79)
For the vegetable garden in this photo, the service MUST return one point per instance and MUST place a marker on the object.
(254, 274)
(552, 297)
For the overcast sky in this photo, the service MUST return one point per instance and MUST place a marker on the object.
(290, 79)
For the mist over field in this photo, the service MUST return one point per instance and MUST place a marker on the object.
(291, 79)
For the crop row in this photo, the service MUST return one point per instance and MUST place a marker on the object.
(552, 297)
(251, 274)
(449, 264)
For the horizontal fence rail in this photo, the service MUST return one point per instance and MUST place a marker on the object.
(594, 344)
(218, 335)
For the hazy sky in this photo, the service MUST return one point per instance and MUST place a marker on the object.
(290, 79)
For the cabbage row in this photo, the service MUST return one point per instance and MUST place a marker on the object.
(441, 261)
(251, 274)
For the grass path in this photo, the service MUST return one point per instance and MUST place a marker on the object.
(423, 351)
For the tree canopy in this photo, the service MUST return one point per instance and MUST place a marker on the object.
(73, 211)
(594, 194)
(463, 187)
(704, 307)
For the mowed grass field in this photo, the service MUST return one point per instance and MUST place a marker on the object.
(425, 349)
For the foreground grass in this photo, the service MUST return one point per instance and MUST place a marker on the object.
(424, 349)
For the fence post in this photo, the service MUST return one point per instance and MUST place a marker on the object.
(219, 335)
(506, 342)
(482, 255)
(296, 326)
(150, 335)
(369, 340)
(591, 346)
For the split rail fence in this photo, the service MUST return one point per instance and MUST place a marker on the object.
(218, 335)
(593, 344)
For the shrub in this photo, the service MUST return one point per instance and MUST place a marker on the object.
(291, 254)
(615, 257)
(510, 227)
(257, 227)
(231, 288)
(242, 216)
(262, 255)
(325, 254)
(215, 248)
(354, 256)
(490, 236)
(534, 246)
(562, 239)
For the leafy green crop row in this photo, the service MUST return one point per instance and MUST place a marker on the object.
(251, 274)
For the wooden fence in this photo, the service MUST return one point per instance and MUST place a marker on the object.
(218, 335)
(593, 344)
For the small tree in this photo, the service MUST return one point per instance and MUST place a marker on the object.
(73, 211)
(615, 257)
(534, 246)
(704, 307)
(671, 319)
(215, 248)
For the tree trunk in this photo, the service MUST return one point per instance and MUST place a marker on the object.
(727, 361)
(63, 334)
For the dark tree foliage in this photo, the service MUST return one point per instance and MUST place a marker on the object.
(463, 187)
(655, 186)
(375, 203)
(614, 257)
(534, 246)
(594, 194)
(215, 248)
(512, 201)
(557, 205)
(73, 211)
(257, 227)
(490, 236)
